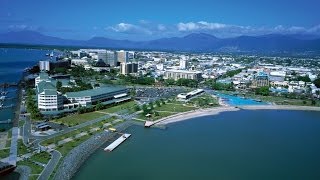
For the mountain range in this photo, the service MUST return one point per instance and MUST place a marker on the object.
(193, 42)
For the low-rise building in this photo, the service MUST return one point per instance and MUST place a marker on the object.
(49, 99)
(260, 79)
(105, 95)
(178, 74)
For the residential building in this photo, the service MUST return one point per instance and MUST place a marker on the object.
(178, 74)
(44, 65)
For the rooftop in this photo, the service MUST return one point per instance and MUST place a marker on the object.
(182, 71)
(95, 92)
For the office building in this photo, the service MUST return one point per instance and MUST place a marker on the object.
(128, 68)
(122, 56)
(111, 58)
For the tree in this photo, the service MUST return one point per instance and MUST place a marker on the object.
(137, 108)
(316, 82)
(99, 106)
(264, 91)
(158, 103)
(169, 82)
(58, 85)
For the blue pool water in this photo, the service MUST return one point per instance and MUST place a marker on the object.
(238, 101)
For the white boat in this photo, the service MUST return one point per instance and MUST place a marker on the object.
(4, 92)
(51, 54)
(2, 98)
(1, 105)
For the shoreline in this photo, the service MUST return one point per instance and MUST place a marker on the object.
(75, 158)
(215, 111)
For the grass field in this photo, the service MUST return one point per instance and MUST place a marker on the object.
(154, 117)
(22, 149)
(35, 169)
(174, 108)
(42, 157)
(76, 119)
(75, 132)
(4, 153)
(127, 105)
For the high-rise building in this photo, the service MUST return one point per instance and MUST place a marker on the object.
(111, 58)
(44, 65)
(183, 64)
(102, 56)
(122, 56)
(128, 68)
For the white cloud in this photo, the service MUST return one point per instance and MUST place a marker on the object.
(129, 29)
(201, 25)
(144, 29)
(161, 27)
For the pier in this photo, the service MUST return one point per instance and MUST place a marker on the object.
(117, 142)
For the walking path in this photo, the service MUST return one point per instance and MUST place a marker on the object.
(14, 146)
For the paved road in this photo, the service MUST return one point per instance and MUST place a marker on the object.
(55, 157)
(14, 146)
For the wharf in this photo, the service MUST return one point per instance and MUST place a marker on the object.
(117, 142)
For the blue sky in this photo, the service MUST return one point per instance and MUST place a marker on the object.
(144, 20)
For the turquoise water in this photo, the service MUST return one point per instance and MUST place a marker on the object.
(269, 144)
(12, 63)
(238, 101)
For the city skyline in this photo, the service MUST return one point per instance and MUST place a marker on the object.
(142, 20)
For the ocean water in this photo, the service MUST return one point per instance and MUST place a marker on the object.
(256, 144)
(12, 64)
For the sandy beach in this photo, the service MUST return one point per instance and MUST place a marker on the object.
(193, 114)
(217, 110)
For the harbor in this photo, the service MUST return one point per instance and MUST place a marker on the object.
(117, 142)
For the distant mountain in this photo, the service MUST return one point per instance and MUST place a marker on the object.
(192, 42)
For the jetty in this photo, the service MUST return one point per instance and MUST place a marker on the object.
(117, 142)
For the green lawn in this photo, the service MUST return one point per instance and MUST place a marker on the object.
(127, 105)
(8, 143)
(72, 134)
(42, 157)
(4, 153)
(21, 123)
(204, 101)
(22, 149)
(76, 119)
(154, 117)
(174, 108)
(65, 148)
(35, 169)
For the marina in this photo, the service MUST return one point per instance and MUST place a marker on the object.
(117, 142)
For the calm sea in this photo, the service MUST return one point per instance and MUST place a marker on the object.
(261, 144)
(12, 64)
